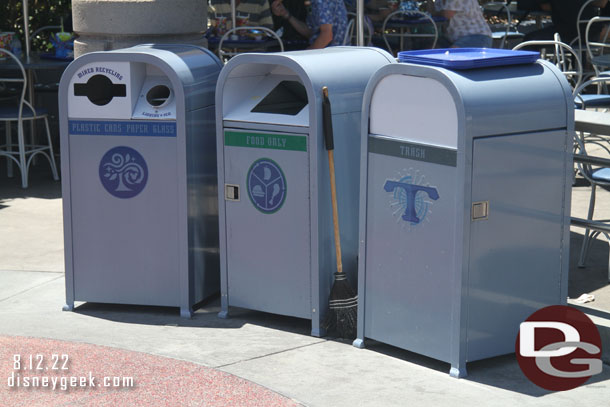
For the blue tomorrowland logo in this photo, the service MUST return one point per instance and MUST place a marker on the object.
(266, 185)
(410, 199)
(123, 172)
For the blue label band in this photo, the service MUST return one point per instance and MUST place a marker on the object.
(122, 128)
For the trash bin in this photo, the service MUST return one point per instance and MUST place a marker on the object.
(276, 235)
(138, 152)
(465, 203)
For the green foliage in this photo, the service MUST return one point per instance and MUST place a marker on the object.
(41, 12)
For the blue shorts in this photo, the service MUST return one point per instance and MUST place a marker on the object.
(473, 41)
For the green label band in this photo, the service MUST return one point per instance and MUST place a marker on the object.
(266, 140)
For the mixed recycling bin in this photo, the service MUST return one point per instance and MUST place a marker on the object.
(138, 152)
(465, 205)
(276, 235)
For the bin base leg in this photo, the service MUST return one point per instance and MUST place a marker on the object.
(359, 343)
(223, 314)
(186, 312)
(458, 372)
(68, 307)
(318, 332)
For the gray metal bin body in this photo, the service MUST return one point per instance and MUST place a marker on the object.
(465, 205)
(276, 236)
(138, 151)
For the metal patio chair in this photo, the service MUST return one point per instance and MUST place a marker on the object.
(561, 55)
(19, 111)
(225, 53)
(410, 25)
(350, 32)
(597, 173)
(508, 30)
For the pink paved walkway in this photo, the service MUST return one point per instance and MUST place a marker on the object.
(158, 381)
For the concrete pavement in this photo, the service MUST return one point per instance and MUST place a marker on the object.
(273, 351)
(115, 377)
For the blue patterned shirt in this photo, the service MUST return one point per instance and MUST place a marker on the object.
(328, 12)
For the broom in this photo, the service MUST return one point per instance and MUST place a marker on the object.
(342, 313)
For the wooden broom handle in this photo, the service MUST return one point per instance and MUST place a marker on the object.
(333, 192)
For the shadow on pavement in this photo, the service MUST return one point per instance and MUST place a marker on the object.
(502, 372)
(407, 356)
(41, 184)
(206, 316)
(593, 277)
(507, 375)
(605, 314)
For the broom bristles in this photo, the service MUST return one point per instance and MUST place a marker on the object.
(342, 316)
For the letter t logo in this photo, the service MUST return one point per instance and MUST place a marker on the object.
(411, 191)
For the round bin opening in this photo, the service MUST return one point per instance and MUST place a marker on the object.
(158, 95)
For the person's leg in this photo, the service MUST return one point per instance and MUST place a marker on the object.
(473, 41)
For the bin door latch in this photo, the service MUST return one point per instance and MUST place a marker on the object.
(231, 192)
(480, 210)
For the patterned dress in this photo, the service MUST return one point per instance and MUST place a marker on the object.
(468, 20)
(328, 12)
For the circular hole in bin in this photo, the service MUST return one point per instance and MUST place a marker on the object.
(158, 95)
(100, 90)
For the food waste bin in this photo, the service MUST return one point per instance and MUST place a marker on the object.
(138, 152)
(465, 202)
(276, 235)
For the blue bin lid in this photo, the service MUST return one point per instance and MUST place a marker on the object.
(468, 58)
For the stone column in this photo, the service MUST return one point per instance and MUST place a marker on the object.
(103, 25)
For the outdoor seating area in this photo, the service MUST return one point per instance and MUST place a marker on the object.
(29, 81)
(231, 29)
(387, 24)
(381, 191)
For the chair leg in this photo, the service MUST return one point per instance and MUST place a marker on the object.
(9, 149)
(51, 155)
(608, 238)
(22, 163)
(588, 235)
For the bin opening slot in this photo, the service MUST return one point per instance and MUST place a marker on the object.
(100, 90)
(158, 95)
(288, 97)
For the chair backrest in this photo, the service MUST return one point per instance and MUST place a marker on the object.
(226, 55)
(410, 19)
(41, 29)
(579, 137)
(580, 147)
(502, 8)
(579, 22)
(596, 47)
(600, 81)
(564, 57)
(350, 33)
(16, 76)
